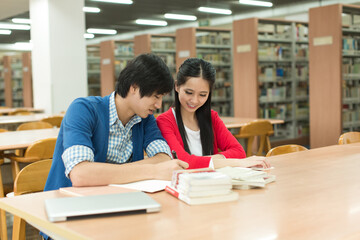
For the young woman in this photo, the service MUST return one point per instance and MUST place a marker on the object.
(195, 132)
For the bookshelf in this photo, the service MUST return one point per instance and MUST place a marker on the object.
(124, 52)
(2, 83)
(27, 80)
(16, 81)
(270, 65)
(164, 46)
(93, 69)
(334, 38)
(114, 56)
(213, 45)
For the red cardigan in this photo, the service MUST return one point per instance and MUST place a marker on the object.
(223, 140)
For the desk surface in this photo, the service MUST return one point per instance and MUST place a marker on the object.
(316, 196)
(10, 110)
(22, 139)
(16, 119)
(233, 122)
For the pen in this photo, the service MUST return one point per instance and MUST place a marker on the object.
(174, 154)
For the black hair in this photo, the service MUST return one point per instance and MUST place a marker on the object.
(148, 72)
(195, 67)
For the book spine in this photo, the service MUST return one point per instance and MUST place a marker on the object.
(176, 194)
(172, 191)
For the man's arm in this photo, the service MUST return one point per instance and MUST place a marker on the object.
(158, 158)
(97, 174)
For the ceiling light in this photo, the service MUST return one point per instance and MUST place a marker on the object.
(14, 26)
(151, 22)
(5, 32)
(215, 10)
(89, 35)
(180, 17)
(256, 3)
(101, 31)
(24, 45)
(21, 20)
(91, 9)
(115, 1)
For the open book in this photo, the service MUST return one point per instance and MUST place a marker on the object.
(245, 178)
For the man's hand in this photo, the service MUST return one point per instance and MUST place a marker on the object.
(164, 170)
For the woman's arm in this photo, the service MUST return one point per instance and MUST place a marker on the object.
(170, 132)
(226, 142)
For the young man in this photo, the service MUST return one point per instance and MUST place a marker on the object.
(102, 140)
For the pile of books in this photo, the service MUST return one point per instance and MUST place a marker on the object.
(201, 186)
(246, 178)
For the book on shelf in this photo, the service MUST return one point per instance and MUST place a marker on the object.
(246, 178)
(201, 186)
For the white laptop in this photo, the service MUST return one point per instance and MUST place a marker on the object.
(62, 209)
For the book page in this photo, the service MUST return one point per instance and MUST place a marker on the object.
(149, 186)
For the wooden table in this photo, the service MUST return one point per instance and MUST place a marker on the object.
(6, 111)
(12, 122)
(22, 139)
(316, 196)
(233, 122)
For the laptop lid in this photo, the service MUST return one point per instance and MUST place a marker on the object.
(60, 209)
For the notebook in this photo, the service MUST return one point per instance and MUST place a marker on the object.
(61, 209)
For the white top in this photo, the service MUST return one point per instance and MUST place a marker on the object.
(194, 142)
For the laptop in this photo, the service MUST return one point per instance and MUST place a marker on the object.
(62, 209)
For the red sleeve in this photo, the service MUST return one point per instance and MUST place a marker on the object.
(168, 127)
(227, 143)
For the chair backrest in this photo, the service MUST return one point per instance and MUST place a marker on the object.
(261, 128)
(41, 149)
(32, 178)
(33, 125)
(3, 130)
(55, 121)
(349, 137)
(20, 112)
(285, 149)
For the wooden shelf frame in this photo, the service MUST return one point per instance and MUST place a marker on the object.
(326, 78)
(247, 41)
(187, 47)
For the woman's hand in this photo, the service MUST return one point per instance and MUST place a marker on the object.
(255, 161)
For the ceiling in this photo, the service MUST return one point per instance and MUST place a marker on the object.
(122, 17)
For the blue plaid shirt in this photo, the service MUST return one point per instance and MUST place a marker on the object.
(120, 146)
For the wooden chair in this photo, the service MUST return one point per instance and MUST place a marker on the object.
(33, 125)
(349, 137)
(261, 128)
(39, 150)
(30, 179)
(3, 130)
(21, 112)
(285, 149)
(3, 226)
(55, 121)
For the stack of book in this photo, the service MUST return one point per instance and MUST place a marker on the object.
(246, 178)
(201, 186)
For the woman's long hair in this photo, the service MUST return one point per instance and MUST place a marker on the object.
(194, 67)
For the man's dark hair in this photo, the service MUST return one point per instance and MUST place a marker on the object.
(149, 73)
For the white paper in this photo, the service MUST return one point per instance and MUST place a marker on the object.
(148, 186)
